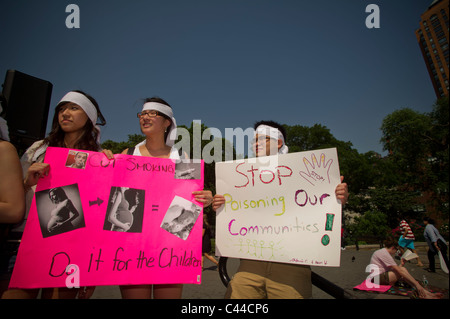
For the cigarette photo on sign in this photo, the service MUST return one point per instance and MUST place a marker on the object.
(59, 210)
(187, 170)
(125, 212)
(180, 218)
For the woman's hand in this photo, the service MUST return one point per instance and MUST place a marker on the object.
(342, 192)
(35, 172)
(204, 197)
(218, 201)
(108, 154)
(125, 226)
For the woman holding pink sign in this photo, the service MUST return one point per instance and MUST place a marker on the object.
(159, 127)
(74, 126)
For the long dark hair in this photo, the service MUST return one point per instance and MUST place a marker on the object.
(88, 141)
(130, 196)
(59, 192)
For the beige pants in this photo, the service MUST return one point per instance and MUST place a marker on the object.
(269, 280)
(250, 286)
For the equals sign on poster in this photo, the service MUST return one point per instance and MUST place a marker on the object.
(155, 208)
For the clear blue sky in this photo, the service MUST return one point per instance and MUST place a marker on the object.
(227, 63)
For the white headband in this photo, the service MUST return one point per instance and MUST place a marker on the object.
(82, 101)
(274, 133)
(87, 106)
(166, 110)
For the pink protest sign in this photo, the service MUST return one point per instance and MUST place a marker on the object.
(132, 220)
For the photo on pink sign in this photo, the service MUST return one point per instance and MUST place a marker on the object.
(125, 212)
(180, 218)
(59, 210)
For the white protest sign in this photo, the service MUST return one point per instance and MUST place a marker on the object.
(281, 208)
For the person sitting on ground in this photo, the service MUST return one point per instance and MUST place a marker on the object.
(389, 272)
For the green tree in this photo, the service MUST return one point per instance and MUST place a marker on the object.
(302, 138)
(392, 201)
(373, 224)
(119, 147)
(419, 150)
(404, 136)
(437, 177)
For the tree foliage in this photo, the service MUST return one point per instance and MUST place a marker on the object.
(119, 147)
(419, 150)
(373, 224)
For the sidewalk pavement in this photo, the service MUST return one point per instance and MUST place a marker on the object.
(351, 273)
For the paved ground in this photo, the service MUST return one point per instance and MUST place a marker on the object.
(349, 274)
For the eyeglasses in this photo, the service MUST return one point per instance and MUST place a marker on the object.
(151, 113)
(261, 139)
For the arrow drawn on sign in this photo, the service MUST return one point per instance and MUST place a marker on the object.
(98, 202)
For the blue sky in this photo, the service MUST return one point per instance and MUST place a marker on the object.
(227, 63)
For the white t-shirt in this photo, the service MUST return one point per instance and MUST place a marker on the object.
(383, 259)
(173, 153)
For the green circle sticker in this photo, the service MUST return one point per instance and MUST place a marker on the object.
(325, 240)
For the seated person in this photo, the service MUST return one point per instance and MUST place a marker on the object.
(389, 272)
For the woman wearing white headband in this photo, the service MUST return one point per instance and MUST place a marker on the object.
(74, 126)
(159, 127)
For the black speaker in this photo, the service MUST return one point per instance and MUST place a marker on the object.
(26, 102)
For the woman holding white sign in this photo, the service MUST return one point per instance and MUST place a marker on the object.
(159, 127)
(264, 279)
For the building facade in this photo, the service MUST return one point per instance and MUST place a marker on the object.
(434, 43)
